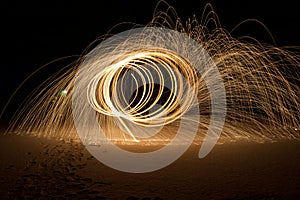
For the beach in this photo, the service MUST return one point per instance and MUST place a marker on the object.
(39, 168)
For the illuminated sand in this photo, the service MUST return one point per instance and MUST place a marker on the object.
(41, 168)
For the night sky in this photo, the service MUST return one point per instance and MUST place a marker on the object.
(36, 33)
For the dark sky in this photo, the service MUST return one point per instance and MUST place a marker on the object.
(34, 33)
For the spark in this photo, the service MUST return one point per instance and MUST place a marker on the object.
(263, 101)
(64, 92)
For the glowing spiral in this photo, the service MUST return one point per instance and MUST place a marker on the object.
(146, 68)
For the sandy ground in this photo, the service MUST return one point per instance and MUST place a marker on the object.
(35, 168)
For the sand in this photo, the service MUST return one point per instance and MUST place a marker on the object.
(37, 168)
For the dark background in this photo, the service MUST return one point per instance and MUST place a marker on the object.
(35, 33)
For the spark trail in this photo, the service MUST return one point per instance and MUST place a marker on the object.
(260, 81)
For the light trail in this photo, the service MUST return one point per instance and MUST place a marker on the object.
(261, 84)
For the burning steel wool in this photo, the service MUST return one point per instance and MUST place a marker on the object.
(145, 85)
